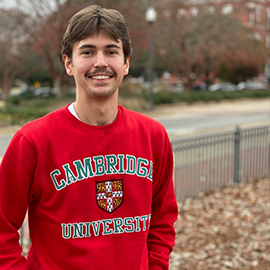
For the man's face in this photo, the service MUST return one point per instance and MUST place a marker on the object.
(97, 65)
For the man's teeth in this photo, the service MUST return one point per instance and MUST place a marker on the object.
(100, 77)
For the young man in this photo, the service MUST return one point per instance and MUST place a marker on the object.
(96, 178)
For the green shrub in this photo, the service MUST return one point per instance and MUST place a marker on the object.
(165, 97)
(19, 110)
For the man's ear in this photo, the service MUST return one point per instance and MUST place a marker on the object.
(68, 64)
(126, 66)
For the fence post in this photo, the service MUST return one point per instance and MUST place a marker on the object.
(236, 154)
(21, 236)
(174, 180)
(268, 171)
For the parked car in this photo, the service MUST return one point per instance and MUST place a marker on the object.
(44, 92)
(251, 86)
(23, 91)
(225, 86)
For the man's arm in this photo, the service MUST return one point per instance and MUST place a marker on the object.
(164, 212)
(16, 174)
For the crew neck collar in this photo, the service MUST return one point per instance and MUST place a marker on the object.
(91, 128)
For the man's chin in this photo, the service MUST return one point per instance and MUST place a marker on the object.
(103, 93)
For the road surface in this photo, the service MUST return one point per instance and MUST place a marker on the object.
(214, 117)
(189, 120)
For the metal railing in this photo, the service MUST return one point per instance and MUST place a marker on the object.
(207, 162)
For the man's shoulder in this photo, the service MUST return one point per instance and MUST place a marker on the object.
(143, 122)
(142, 118)
(48, 121)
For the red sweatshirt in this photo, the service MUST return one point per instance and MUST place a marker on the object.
(99, 197)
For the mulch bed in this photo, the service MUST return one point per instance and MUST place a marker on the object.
(226, 229)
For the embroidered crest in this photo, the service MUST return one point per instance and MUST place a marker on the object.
(110, 195)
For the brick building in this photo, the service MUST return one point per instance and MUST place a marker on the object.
(253, 14)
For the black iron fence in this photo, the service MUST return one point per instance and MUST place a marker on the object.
(206, 162)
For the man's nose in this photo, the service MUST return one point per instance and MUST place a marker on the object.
(100, 61)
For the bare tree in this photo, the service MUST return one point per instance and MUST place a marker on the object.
(206, 43)
(44, 24)
(11, 40)
(48, 20)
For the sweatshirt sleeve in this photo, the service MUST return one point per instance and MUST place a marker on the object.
(164, 211)
(16, 174)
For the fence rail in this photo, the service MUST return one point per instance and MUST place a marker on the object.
(219, 160)
(206, 162)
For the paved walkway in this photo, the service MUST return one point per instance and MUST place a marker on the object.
(232, 108)
(236, 106)
(183, 108)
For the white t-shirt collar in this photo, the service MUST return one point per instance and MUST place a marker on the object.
(72, 110)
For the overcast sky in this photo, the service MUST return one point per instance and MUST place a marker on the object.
(10, 3)
(13, 3)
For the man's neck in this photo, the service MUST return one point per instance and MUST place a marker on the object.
(96, 113)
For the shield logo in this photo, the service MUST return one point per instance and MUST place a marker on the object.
(110, 195)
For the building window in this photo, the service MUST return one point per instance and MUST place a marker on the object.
(194, 2)
(258, 15)
(267, 41)
(268, 13)
(194, 12)
(227, 9)
(167, 14)
(258, 36)
(251, 18)
(211, 9)
(181, 13)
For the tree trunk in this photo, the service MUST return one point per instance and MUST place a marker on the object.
(61, 84)
(6, 83)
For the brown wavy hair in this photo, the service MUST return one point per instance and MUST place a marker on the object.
(92, 19)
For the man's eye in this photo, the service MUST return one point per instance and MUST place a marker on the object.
(87, 52)
(112, 52)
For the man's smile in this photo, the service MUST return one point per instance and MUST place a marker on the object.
(100, 77)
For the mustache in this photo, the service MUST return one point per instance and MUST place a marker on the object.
(100, 70)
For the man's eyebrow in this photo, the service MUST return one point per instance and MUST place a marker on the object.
(91, 46)
(113, 46)
(84, 46)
